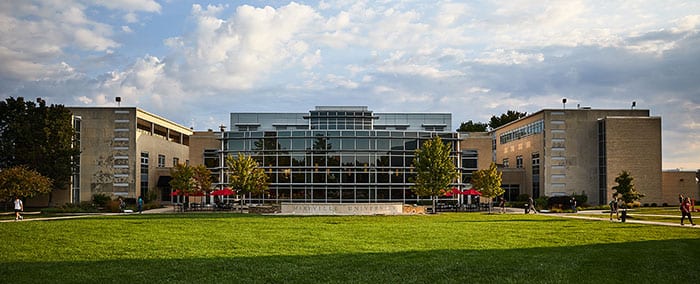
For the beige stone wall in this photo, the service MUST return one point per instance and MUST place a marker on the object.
(200, 141)
(481, 142)
(634, 144)
(111, 147)
(524, 147)
(675, 183)
(568, 150)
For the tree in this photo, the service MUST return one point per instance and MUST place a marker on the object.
(470, 126)
(245, 176)
(488, 182)
(625, 188)
(202, 178)
(183, 179)
(38, 137)
(509, 116)
(435, 170)
(22, 182)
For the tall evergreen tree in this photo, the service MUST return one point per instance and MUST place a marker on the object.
(625, 188)
(435, 170)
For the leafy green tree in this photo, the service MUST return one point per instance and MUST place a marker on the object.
(488, 182)
(435, 170)
(202, 178)
(22, 182)
(39, 137)
(625, 188)
(245, 176)
(470, 126)
(509, 116)
(183, 179)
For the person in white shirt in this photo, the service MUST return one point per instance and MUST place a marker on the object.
(19, 207)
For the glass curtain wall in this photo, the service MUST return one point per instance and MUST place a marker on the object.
(336, 165)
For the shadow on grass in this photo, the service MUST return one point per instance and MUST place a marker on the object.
(638, 262)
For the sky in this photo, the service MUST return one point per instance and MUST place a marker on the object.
(196, 62)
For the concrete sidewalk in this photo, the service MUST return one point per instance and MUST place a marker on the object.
(632, 221)
(166, 209)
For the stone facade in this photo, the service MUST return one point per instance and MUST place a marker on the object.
(123, 150)
(561, 151)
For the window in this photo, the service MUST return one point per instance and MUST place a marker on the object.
(521, 132)
(505, 162)
(519, 162)
(161, 161)
(144, 173)
(176, 161)
(535, 175)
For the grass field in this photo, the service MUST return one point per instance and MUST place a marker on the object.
(443, 248)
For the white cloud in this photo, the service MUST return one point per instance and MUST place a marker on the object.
(237, 52)
(130, 5)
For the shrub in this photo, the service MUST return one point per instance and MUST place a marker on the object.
(664, 204)
(646, 205)
(541, 202)
(100, 199)
(653, 205)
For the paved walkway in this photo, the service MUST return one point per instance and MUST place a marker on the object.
(169, 209)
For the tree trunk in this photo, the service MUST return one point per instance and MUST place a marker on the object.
(434, 204)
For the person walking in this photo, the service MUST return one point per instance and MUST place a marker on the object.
(685, 211)
(502, 204)
(19, 207)
(614, 208)
(140, 204)
(531, 204)
(573, 204)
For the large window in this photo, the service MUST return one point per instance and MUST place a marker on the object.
(333, 165)
(144, 174)
(535, 175)
(521, 132)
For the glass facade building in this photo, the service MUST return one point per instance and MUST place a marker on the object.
(338, 154)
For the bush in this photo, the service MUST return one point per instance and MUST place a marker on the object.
(653, 205)
(541, 202)
(646, 205)
(100, 199)
(83, 207)
(665, 204)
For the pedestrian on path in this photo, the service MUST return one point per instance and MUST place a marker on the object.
(685, 211)
(19, 207)
(502, 204)
(140, 204)
(614, 208)
(531, 204)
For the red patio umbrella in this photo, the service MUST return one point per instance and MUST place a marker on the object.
(471, 191)
(452, 192)
(223, 192)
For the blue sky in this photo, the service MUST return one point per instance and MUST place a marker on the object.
(195, 62)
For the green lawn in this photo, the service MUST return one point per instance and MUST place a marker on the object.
(443, 248)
